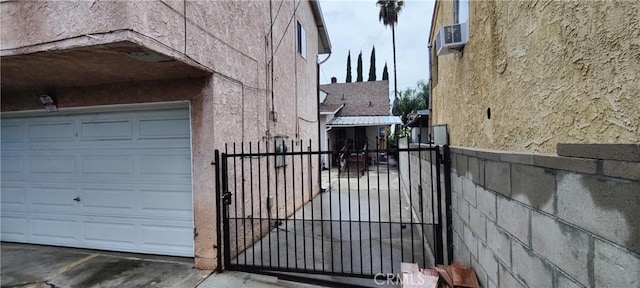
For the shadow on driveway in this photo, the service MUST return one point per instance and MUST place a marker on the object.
(35, 266)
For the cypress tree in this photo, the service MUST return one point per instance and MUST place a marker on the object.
(372, 65)
(359, 68)
(385, 73)
(348, 80)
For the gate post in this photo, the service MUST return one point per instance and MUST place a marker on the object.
(219, 216)
(447, 199)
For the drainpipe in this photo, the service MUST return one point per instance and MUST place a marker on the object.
(318, 63)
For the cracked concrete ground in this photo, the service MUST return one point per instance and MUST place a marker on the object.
(37, 266)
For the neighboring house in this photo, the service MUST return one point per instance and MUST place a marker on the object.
(528, 209)
(145, 92)
(363, 117)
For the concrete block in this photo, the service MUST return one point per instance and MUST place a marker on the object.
(486, 203)
(533, 186)
(588, 166)
(621, 169)
(625, 152)
(488, 261)
(614, 266)
(499, 242)
(476, 170)
(497, 177)
(460, 250)
(562, 245)
(565, 282)
(488, 155)
(492, 284)
(477, 223)
(469, 191)
(454, 202)
(463, 210)
(533, 271)
(507, 279)
(522, 158)
(514, 218)
(456, 184)
(457, 222)
(461, 164)
(604, 206)
(480, 273)
(471, 241)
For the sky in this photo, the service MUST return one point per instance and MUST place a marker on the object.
(353, 25)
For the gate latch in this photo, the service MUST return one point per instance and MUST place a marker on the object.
(226, 198)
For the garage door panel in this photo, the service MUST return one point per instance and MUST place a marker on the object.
(53, 198)
(13, 198)
(11, 133)
(50, 229)
(167, 200)
(107, 130)
(164, 128)
(43, 165)
(107, 165)
(14, 227)
(131, 172)
(105, 233)
(64, 131)
(110, 199)
(12, 165)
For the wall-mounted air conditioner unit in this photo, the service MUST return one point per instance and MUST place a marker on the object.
(451, 38)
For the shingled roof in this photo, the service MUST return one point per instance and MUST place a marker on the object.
(359, 98)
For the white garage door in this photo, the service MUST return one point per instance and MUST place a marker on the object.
(115, 181)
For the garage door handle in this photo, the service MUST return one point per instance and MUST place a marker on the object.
(77, 199)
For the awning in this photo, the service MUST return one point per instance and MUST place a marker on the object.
(353, 121)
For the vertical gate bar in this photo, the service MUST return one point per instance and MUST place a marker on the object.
(433, 201)
(293, 184)
(226, 228)
(269, 203)
(340, 212)
(252, 202)
(379, 202)
(244, 205)
(389, 206)
(260, 203)
(235, 198)
(350, 217)
(400, 203)
(439, 246)
(321, 208)
(358, 175)
(219, 216)
(410, 201)
(286, 211)
(277, 222)
(330, 208)
(447, 199)
(421, 195)
(304, 217)
(369, 208)
(313, 235)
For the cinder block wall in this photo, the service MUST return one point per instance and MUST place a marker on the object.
(531, 220)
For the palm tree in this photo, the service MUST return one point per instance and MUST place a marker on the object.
(389, 10)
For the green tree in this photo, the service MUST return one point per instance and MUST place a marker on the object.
(413, 99)
(348, 80)
(388, 15)
(385, 72)
(372, 65)
(359, 68)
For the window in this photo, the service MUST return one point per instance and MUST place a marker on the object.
(460, 11)
(301, 43)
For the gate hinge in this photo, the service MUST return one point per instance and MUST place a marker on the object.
(226, 198)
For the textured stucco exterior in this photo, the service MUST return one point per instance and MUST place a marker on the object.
(229, 102)
(550, 71)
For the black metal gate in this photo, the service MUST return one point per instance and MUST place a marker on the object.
(284, 210)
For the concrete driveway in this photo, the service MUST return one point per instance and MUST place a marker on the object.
(36, 266)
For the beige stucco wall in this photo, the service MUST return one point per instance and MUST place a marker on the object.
(551, 72)
(231, 105)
